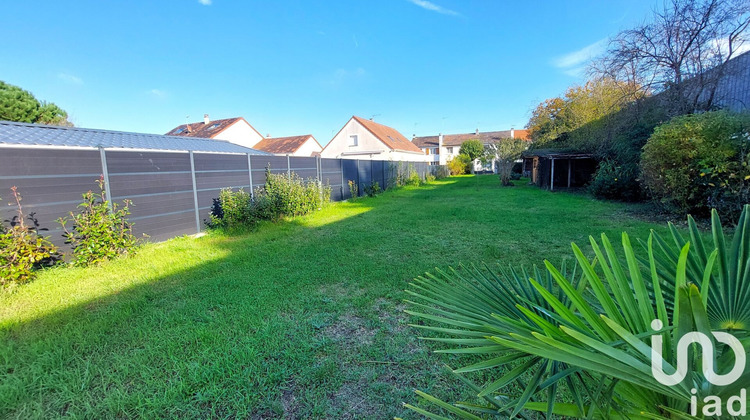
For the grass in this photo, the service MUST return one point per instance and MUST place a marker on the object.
(298, 319)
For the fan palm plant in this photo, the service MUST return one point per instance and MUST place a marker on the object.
(589, 327)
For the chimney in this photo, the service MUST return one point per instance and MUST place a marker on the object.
(205, 119)
(413, 137)
(476, 133)
(512, 133)
(268, 135)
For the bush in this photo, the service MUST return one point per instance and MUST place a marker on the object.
(695, 162)
(459, 165)
(22, 249)
(615, 182)
(429, 178)
(281, 196)
(99, 234)
(373, 189)
(232, 210)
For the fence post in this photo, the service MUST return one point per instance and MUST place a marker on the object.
(341, 165)
(288, 168)
(105, 175)
(359, 185)
(250, 172)
(195, 193)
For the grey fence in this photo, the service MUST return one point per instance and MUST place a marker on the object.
(172, 192)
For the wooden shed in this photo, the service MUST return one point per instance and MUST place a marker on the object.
(556, 169)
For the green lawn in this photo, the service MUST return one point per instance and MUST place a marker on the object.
(298, 319)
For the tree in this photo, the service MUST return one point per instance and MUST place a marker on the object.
(580, 105)
(682, 51)
(506, 152)
(20, 105)
(474, 149)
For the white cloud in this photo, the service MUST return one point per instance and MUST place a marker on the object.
(158, 93)
(428, 5)
(205, 2)
(723, 46)
(70, 79)
(579, 57)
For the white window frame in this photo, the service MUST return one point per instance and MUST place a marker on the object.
(353, 140)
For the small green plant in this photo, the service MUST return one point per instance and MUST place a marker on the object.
(22, 249)
(353, 189)
(372, 189)
(98, 233)
(429, 178)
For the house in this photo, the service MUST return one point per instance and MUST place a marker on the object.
(554, 169)
(443, 148)
(234, 130)
(365, 139)
(305, 145)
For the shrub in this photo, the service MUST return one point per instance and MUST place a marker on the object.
(695, 162)
(429, 178)
(407, 175)
(99, 234)
(615, 182)
(232, 210)
(459, 165)
(22, 249)
(353, 189)
(566, 334)
(373, 189)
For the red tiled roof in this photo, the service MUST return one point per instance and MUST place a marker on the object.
(283, 145)
(458, 139)
(206, 131)
(389, 136)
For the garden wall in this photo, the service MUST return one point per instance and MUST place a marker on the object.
(172, 192)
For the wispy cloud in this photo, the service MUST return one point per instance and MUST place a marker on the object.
(576, 59)
(205, 2)
(70, 79)
(345, 75)
(428, 5)
(158, 93)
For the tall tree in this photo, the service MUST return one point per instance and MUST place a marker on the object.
(506, 152)
(20, 105)
(474, 149)
(682, 50)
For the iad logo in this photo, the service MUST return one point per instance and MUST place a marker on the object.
(713, 405)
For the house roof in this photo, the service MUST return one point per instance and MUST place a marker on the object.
(206, 131)
(457, 139)
(14, 133)
(283, 145)
(389, 136)
(557, 154)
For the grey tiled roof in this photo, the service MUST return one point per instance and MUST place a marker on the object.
(46, 135)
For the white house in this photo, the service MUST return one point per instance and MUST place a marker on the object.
(442, 148)
(233, 130)
(305, 145)
(365, 139)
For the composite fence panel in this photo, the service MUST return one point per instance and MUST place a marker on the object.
(305, 167)
(351, 173)
(331, 174)
(160, 186)
(365, 175)
(214, 172)
(50, 181)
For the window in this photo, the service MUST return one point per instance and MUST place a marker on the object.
(427, 151)
(353, 140)
(213, 126)
(450, 150)
(179, 130)
(436, 151)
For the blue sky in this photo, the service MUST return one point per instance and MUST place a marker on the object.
(297, 67)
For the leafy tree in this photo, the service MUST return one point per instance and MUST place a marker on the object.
(20, 105)
(474, 149)
(506, 152)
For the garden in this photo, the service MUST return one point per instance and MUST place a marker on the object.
(302, 317)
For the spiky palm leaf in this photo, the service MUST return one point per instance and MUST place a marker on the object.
(591, 332)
